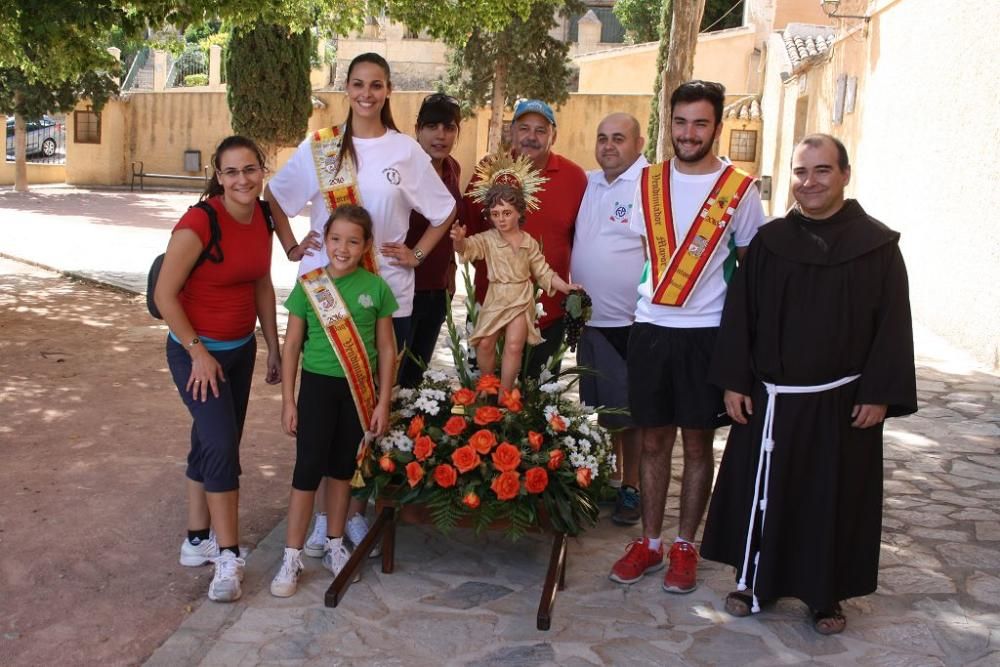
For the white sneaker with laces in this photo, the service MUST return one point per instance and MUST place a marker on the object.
(196, 555)
(315, 546)
(225, 586)
(336, 556)
(356, 529)
(286, 582)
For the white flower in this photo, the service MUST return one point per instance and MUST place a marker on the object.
(405, 394)
(396, 440)
(407, 412)
(431, 394)
(427, 404)
(549, 411)
(545, 375)
(539, 311)
(435, 375)
(585, 446)
(556, 387)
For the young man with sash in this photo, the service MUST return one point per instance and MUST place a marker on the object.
(697, 215)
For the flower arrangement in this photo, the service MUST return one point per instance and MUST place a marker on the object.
(467, 449)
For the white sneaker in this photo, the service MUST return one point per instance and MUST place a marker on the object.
(195, 555)
(336, 556)
(225, 586)
(357, 528)
(286, 582)
(316, 544)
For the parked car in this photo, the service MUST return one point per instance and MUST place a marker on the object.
(43, 136)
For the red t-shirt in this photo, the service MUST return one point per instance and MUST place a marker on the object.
(437, 271)
(551, 225)
(218, 299)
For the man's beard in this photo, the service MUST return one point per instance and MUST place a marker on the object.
(704, 150)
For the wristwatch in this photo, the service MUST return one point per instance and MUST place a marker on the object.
(194, 341)
(419, 254)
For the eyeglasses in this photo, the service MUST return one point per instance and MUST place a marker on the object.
(251, 171)
(437, 98)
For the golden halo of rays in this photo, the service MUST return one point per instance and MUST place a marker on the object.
(502, 168)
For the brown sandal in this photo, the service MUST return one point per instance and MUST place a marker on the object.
(739, 604)
(830, 622)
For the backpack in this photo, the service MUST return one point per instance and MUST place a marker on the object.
(212, 251)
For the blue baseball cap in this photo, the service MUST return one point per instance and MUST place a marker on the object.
(534, 106)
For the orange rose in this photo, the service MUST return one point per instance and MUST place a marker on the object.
(487, 414)
(416, 426)
(506, 485)
(536, 479)
(414, 473)
(455, 425)
(465, 458)
(583, 477)
(511, 400)
(386, 463)
(506, 457)
(556, 457)
(483, 441)
(471, 500)
(463, 397)
(488, 384)
(558, 423)
(445, 476)
(423, 447)
(535, 440)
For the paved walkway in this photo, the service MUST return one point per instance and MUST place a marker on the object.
(462, 601)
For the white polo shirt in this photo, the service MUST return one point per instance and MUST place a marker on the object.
(607, 255)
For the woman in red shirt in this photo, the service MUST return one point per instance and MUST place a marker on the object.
(212, 307)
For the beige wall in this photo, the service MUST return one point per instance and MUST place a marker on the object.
(803, 11)
(924, 141)
(37, 173)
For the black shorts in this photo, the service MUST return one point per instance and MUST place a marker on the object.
(329, 431)
(668, 377)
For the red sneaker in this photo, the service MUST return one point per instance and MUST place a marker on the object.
(682, 574)
(637, 561)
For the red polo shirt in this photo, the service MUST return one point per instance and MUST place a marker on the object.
(437, 271)
(551, 225)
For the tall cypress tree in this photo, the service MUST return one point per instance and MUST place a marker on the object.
(270, 97)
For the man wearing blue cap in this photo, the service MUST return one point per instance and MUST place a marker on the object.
(533, 132)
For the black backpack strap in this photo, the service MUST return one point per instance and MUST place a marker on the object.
(212, 251)
(265, 206)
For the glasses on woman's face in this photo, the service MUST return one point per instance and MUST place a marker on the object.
(251, 171)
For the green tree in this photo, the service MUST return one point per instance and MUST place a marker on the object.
(641, 18)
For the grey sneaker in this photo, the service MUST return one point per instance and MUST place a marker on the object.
(316, 544)
(357, 528)
(225, 586)
(628, 508)
(196, 555)
(286, 582)
(336, 556)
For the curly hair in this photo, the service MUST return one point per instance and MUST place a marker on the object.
(504, 193)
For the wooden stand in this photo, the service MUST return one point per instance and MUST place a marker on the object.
(384, 528)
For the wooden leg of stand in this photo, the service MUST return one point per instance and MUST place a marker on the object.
(389, 542)
(554, 580)
(346, 577)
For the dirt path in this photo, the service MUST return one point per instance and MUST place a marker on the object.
(94, 437)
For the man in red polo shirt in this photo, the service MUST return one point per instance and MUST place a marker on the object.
(533, 132)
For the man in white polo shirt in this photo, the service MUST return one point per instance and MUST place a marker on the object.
(607, 260)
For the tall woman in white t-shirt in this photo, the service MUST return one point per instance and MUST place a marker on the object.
(394, 177)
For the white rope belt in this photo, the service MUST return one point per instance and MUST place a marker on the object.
(764, 466)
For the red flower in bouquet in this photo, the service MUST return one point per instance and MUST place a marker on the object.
(423, 448)
(535, 440)
(387, 464)
(583, 477)
(465, 458)
(488, 384)
(506, 485)
(455, 425)
(445, 476)
(463, 397)
(511, 400)
(414, 473)
(416, 427)
(558, 423)
(470, 500)
(507, 457)
(556, 457)
(487, 414)
(536, 479)
(483, 441)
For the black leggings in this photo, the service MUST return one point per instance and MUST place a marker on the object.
(329, 431)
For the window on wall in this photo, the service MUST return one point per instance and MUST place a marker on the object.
(743, 145)
(86, 127)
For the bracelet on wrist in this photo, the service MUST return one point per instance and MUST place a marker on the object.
(288, 252)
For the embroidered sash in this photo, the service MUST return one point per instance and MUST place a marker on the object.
(335, 317)
(338, 177)
(677, 269)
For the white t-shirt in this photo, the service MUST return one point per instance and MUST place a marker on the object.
(704, 306)
(395, 176)
(607, 255)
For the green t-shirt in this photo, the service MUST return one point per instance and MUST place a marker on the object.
(368, 297)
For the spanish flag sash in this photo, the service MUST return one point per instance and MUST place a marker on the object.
(338, 177)
(335, 318)
(675, 269)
